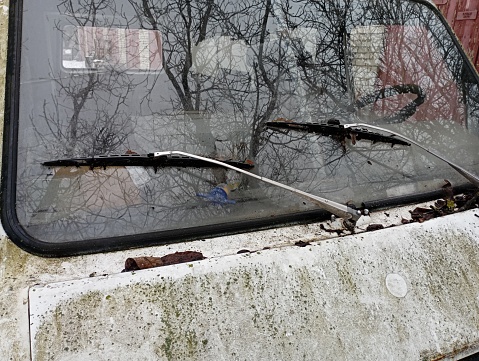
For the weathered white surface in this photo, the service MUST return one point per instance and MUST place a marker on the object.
(339, 299)
(20, 270)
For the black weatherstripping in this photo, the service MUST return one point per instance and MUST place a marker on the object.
(10, 222)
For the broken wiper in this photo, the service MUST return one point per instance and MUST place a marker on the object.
(143, 160)
(474, 179)
(334, 128)
(183, 159)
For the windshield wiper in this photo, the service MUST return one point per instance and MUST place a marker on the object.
(183, 159)
(333, 128)
(143, 160)
(474, 179)
(358, 131)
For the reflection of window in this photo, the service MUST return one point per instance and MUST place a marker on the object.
(220, 53)
(367, 45)
(87, 47)
(223, 52)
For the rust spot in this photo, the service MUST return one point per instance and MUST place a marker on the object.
(458, 349)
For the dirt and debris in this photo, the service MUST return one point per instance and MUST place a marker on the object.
(468, 203)
(420, 214)
(332, 230)
(374, 227)
(95, 274)
(448, 205)
(302, 244)
(139, 263)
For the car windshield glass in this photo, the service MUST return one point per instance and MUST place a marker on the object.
(208, 77)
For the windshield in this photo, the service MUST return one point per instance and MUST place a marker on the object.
(103, 77)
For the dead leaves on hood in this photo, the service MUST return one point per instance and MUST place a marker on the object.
(449, 204)
(139, 263)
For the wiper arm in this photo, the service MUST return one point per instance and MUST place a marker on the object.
(474, 179)
(143, 160)
(333, 128)
(183, 159)
(349, 215)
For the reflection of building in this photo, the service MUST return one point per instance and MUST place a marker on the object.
(463, 17)
(93, 47)
(386, 56)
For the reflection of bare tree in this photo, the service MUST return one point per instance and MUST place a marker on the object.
(185, 26)
(227, 68)
(88, 115)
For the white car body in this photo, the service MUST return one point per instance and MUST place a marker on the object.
(408, 292)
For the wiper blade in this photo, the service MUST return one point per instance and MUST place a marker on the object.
(358, 131)
(333, 128)
(144, 160)
(474, 179)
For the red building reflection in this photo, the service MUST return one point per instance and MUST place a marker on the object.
(462, 15)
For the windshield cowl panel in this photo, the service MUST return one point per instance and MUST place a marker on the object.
(211, 78)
